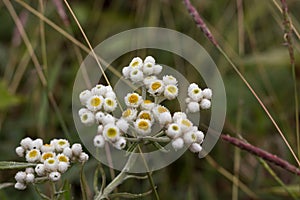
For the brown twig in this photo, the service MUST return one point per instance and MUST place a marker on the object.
(262, 154)
(199, 21)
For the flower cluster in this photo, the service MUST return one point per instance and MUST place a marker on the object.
(143, 112)
(198, 99)
(51, 159)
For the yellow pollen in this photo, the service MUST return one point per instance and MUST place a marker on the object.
(194, 137)
(47, 145)
(109, 102)
(172, 89)
(47, 155)
(127, 113)
(135, 64)
(196, 91)
(111, 132)
(175, 128)
(84, 117)
(155, 85)
(145, 115)
(143, 125)
(162, 109)
(186, 123)
(33, 153)
(96, 101)
(61, 143)
(62, 159)
(133, 98)
(147, 101)
(51, 161)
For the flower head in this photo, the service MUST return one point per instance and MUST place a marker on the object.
(136, 63)
(94, 103)
(84, 96)
(129, 114)
(171, 92)
(109, 104)
(99, 141)
(156, 87)
(169, 80)
(173, 130)
(147, 105)
(136, 75)
(33, 155)
(133, 100)
(111, 132)
(142, 126)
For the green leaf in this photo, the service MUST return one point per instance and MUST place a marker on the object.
(5, 185)
(83, 183)
(6, 98)
(4, 165)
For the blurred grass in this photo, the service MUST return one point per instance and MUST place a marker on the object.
(26, 111)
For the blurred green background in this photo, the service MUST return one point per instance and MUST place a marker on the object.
(252, 35)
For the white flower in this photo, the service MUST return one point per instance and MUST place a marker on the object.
(33, 155)
(185, 125)
(147, 105)
(158, 110)
(36, 144)
(169, 80)
(29, 178)
(178, 116)
(165, 118)
(126, 71)
(136, 63)
(195, 148)
(200, 136)
(99, 116)
(146, 114)
(26, 143)
(188, 100)
(157, 69)
(110, 94)
(94, 103)
(62, 158)
(156, 87)
(99, 141)
(40, 169)
(76, 149)
(149, 59)
(120, 143)
(190, 137)
(195, 94)
(111, 132)
(88, 118)
(207, 93)
(192, 86)
(83, 157)
(20, 176)
(62, 167)
(129, 114)
(47, 148)
(148, 80)
(148, 68)
(177, 143)
(51, 164)
(205, 104)
(47, 155)
(81, 111)
(108, 89)
(54, 176)
(123, 125)
(100, 129)
(133, 100)
(193, 107)
(142, 126)
(68, 152)
(136, 75)
(99, 90)
(171, 92)
(20, 186)
(61, 144)
(108, 119)
(84, 96)
(110, 104)
(173, 130)
(29, 170)
(20, 151)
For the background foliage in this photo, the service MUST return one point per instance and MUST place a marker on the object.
(253, 38)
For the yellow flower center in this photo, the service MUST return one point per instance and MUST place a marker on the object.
(96, 101)
(194, 137)
(84, 117)
(135, 64)
(175, 128)
(111, 132)
(149, 65)
(47, 145)
(109, 102)
(196, 91)
(143, 125)
(155, 85)
(133, 98)
(145, 115)
(147, 101)
(33, 153)
(127, 113)
(61, 143)
(51, 161)
(47, 155)
(162, 109)
(63, 159)
(172, 89)
(186, 123)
